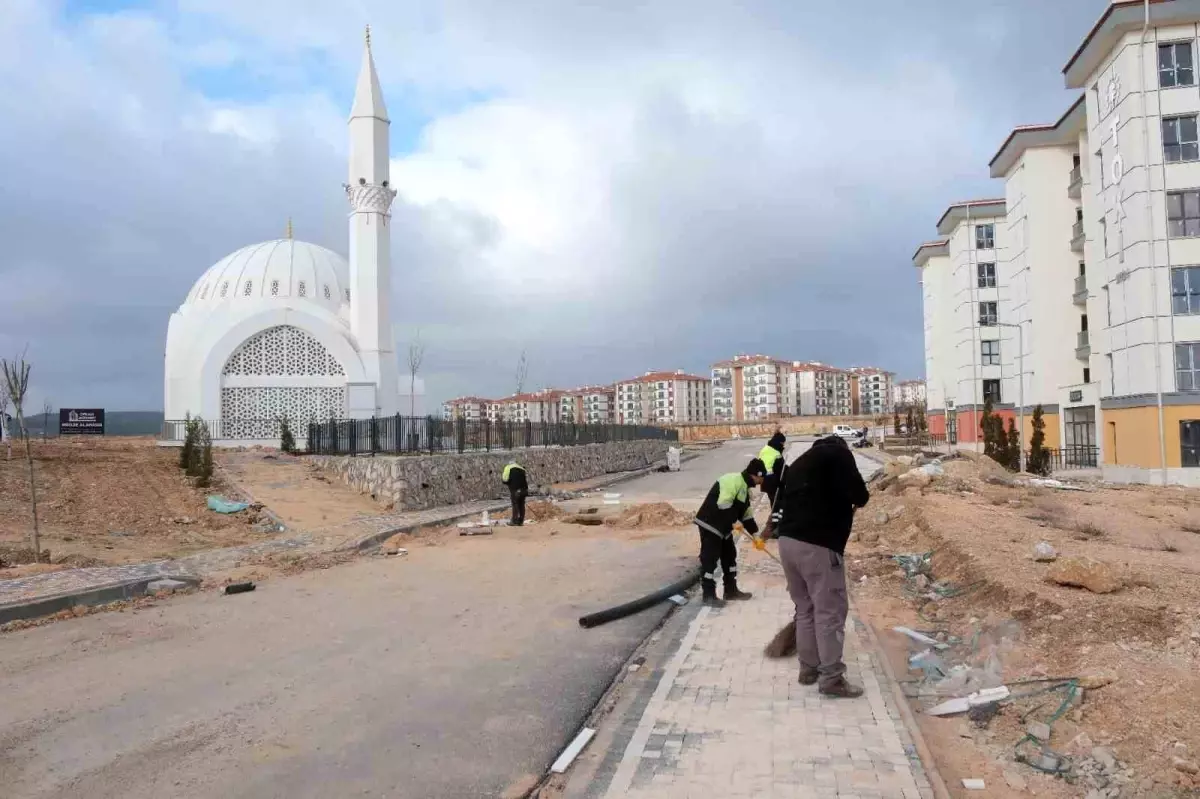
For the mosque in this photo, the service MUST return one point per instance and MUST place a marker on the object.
(290, 329)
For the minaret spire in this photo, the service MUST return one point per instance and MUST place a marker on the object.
(371, 196)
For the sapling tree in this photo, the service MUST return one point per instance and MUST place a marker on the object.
(15, 377)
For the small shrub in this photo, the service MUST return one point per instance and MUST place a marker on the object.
(1038, 461)
(204, 469)
(287, 441)
(1089, 530)
(191, 431)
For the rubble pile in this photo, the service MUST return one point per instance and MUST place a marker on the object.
(650, 515)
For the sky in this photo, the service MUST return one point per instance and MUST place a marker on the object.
(612, 186)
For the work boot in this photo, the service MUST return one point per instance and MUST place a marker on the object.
(710, 595)
(841, 688)
(733, 592)
(808, 676)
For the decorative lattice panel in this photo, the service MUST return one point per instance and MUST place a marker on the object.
(283, 351)
(251, 411)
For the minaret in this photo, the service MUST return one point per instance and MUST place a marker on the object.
(371, 198)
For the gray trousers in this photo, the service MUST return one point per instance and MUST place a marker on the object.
(816, 580)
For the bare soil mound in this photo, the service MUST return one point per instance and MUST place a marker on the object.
(653, 514)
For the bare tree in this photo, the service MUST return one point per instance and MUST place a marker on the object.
(5, 434)
(416, 354)
(15, 374)
(47, 409)
(522, 371)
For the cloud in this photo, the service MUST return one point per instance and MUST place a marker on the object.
(613, 187)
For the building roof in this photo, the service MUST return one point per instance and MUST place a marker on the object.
(1065, 131)
(368, 96)
(814, 366)
(1118, 19)
(465, 400)
(283, 271)
(957, 212)
(742, 360)
(868, 370)
(929, 249)
(654, 377)
(591, 390)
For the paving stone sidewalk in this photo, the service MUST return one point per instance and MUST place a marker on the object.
(726, 721)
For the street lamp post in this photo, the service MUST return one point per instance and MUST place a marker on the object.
(1020, 389)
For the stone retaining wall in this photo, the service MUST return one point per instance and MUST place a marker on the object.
(416, 482)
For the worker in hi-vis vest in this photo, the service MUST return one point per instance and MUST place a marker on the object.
(727, 504)
(513, 476)
(773, 461)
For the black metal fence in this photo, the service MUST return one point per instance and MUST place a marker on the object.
(401, 435)
(1076, 457)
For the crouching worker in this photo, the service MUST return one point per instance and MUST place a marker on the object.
(727, 503)
(821, 490)
(513, 476)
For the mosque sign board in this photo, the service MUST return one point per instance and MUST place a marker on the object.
(81, 421)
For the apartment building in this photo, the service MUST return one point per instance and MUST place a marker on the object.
(871, 390)
(535, 407)
(471, 409)
(967, 307)
(588, 405)
(750, 387)
(1088, 300)
(908, 394)
(819, 389)
(664, 398)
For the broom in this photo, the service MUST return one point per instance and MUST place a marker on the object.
(783, 645)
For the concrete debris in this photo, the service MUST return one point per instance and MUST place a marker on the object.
(1043, 552)
(166, 586)
(1039, 730)
(1105, 757)
(393, 550)
(964, 703)
(1046, 482)
(572, 751)
(1015, 780)
(1186, 766)
(972, 784)
(1095, 576)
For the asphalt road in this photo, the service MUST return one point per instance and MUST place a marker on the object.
(456, 671)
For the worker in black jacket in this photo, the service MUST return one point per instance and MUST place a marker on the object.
(513, 476)
(727, 504)
(821, 490)
(772, 457)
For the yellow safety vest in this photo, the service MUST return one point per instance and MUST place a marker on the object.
(508, 469)
(768, 455)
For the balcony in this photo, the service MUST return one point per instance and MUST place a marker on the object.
(1077, 236)
(1075, 183)
(1081, 291)
(1083, 347)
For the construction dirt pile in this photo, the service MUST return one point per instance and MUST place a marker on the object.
(1082, 597)
(110, 500)
(650, 515)
(543, 511)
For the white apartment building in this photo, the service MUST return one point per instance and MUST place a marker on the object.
(534, 407)
(751, 387)
(908, 393)
(1096, 254)
(588, 405)
(967, 300)
(472, 409)
(664, 398)
(819, 389)
(871, 389)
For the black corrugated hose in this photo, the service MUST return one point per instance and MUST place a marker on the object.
(638, 605)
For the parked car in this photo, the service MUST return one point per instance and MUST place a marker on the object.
(846, 431)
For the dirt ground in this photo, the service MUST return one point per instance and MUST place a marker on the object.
(109, 501)
(985, 589)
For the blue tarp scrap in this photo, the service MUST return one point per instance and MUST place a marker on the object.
(222, 505)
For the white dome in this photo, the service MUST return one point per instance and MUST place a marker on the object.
(279, 269)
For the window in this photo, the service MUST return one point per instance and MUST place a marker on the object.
(989, 352)
(991, 391)
(274, 288)
(1179, 139)
(1175, 65)
(1108, 306)
(301, 290)
(1185, 290)
(987, 276)
(1187, 367)
(1183, 213)
(327, 294)
(246, 289)
(985, 237)
(1087, 375)
(987, 314)
(1189, 442)
(347, 295)
(224, 288)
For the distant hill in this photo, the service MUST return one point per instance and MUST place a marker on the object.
(116, 423)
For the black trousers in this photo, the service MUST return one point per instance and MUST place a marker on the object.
(713, 550)
(517, 495)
